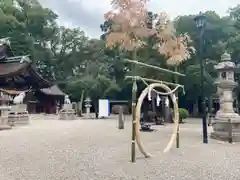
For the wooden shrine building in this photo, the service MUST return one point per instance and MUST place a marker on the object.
(17, 74)
(46, 100)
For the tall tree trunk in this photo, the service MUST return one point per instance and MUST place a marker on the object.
(95, 104)
(80, 105)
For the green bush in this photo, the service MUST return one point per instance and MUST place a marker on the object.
(183, 114)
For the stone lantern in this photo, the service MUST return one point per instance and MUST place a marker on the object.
(226, 118)
(88, 106)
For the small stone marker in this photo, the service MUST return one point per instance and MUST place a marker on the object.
(120, 118)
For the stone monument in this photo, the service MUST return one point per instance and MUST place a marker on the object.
(18, 114)
(226, 119)
(67, 112)
(120, 118)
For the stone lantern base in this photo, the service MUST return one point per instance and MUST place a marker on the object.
(222, 127)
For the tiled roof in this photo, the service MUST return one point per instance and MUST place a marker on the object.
(53, 90)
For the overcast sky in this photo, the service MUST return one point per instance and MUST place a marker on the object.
(88, 14)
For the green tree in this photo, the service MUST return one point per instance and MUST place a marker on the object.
(218, 31)
(234, 41)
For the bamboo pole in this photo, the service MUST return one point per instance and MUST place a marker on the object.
(153, 67)
(134, 98)
(178, 134)
(153, 80)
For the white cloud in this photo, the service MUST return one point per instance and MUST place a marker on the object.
(91, 5)
(183, 7)
(88, 14)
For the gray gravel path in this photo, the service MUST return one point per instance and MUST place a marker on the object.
(97, 150)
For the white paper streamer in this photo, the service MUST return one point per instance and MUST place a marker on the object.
(166, 102)
(158, 100)
(174, 99)
(19, 98)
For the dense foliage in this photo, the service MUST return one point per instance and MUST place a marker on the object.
(76, 62)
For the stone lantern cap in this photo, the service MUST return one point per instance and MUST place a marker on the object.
(226, 63)
(88, 100)
(226, 57)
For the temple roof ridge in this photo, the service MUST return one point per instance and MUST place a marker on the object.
(5, 41)
(21, 59)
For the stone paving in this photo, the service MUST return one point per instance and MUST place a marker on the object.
(50, 149)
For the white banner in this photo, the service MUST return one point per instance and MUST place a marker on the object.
(103, 108)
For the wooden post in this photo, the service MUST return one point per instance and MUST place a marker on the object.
(230, 138)
(120, 118)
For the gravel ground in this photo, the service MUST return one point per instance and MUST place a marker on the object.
(49, 149)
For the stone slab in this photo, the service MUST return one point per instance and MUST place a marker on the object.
(67, 114)
(18, 118)
(5, 127)
(67, 106)
(222, 128)
(224, 136)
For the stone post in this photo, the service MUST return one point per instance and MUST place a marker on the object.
(120, 118)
